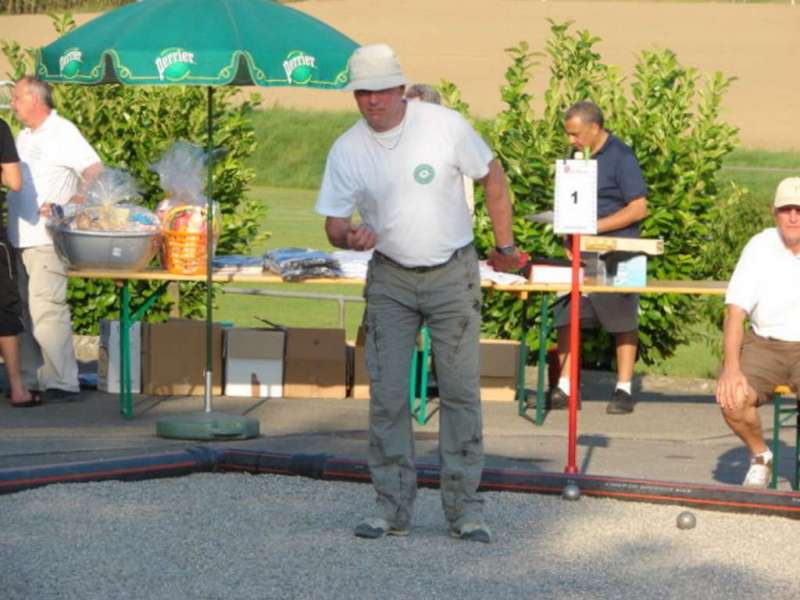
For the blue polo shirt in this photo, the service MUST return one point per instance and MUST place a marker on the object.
(619, 180)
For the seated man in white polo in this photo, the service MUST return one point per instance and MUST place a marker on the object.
(766, 288)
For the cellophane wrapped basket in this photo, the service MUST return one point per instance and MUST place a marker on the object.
(183, 212)
(185, 249)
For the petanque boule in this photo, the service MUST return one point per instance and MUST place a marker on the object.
(686, 520)
(571, 492)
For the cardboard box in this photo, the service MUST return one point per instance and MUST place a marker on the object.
(108, 360)
(358, 380)
(359, 387)
(624, 269)
(315, 363)
(174, 358)
(254, 362)
(499, 367)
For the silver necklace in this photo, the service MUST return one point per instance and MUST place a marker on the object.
(389, 139)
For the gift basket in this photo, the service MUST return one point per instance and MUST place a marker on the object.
(109, 230)
(183, 212)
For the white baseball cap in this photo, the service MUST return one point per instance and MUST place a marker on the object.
(788, 193)
(374, 67)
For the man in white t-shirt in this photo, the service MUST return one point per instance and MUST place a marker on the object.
(765, 287)
(57, 163)
(401, 168)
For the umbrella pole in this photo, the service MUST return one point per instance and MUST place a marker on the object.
(208, 425)
(209, 250)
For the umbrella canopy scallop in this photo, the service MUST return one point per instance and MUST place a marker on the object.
(201, 42)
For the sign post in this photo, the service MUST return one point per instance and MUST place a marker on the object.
(575, 213)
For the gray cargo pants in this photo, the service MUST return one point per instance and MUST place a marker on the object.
(448, 300)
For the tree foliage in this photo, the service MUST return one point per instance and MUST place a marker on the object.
(669, 117)
(130, 128)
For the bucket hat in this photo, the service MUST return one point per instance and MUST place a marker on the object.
(374, 67)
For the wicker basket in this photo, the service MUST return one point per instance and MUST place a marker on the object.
(184, 252)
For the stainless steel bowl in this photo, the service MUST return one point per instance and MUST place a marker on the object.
(121, 251)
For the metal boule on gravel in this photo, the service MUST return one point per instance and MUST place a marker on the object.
(686, 520)
(571, 492)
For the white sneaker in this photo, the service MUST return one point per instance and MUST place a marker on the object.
(760, 471)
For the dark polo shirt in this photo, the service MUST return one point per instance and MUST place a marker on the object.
(619, 180)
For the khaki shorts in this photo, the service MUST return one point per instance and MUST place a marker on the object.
(768, 363)
(616, 313)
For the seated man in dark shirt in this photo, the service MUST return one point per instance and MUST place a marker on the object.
(621, 206)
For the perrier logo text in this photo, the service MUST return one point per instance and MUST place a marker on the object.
(299, 67)
(70, 62)
(174, 64)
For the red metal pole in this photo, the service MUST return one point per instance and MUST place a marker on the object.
(574, 354)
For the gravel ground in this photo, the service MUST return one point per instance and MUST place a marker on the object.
(244, 536)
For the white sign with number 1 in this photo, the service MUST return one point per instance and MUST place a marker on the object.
(576, 197)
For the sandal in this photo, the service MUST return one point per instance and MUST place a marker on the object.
(36, 400)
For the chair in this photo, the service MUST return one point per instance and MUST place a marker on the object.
(784, 411)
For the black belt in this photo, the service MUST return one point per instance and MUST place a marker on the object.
(425, 268)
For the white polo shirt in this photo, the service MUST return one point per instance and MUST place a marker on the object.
(766, 284)
(52, 159)
(407, 184)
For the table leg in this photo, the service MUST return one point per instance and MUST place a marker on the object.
(125, 395)
(422, 405)
(522, 391)
(126, 321)
(544, 335)
(412, 381)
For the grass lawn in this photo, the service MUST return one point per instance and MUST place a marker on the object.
(760, 171)
(291, 221)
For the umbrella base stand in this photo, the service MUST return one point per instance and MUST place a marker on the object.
(207, 426)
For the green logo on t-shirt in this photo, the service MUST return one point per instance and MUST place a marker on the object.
(424, 173)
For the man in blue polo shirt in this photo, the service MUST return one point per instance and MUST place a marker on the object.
(621, 206)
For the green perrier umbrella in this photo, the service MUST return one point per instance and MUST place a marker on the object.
(208, 43)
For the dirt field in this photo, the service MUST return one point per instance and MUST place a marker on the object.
(463, 40)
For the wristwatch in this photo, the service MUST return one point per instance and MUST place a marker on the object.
(506, 250)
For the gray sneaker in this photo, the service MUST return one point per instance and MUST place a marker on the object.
(621, 403)
(472, 532)
(373, 529)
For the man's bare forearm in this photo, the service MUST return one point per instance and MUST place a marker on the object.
(498, 204)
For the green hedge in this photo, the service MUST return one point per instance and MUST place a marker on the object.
(673, 124)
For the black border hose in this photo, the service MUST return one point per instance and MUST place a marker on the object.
(132, 468)
(332, 468)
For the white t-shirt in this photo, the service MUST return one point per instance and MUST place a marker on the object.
(52, 159)
(766, 284)
(407, 184)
